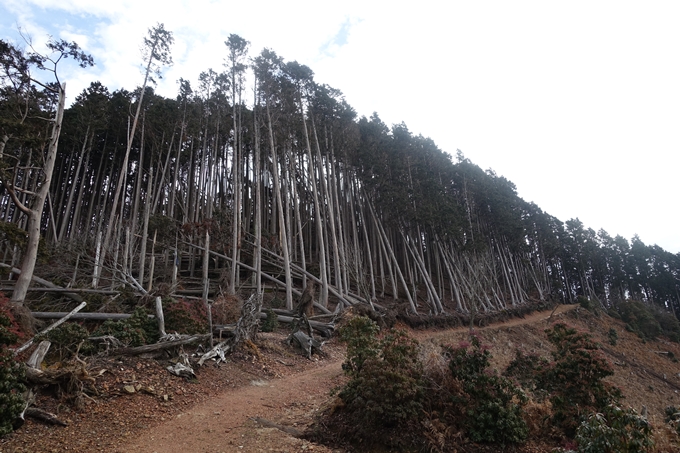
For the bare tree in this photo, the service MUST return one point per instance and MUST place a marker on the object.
(34, 204)
(157, 52)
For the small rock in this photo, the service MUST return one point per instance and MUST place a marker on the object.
(130, 389)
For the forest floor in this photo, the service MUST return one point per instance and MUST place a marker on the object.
(261, 397)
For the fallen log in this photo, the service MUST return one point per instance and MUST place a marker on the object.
(56, 324)
(325, 329)
(161, 345)
(44, 416)
(89, 316)
(44, 282)
(106, 292)
(308, 344)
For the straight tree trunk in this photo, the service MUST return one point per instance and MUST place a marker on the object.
(323, 271)
(282, 220)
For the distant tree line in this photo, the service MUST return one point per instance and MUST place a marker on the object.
(278, 178)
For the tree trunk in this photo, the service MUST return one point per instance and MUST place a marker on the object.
(35, 212)
(323, 271)
(282, 221)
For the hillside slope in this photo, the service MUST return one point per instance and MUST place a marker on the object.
(273, 383)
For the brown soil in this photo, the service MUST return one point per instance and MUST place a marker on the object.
(260, 398)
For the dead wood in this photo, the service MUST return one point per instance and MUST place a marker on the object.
(325, 329)
(110, 341)
(308, 344)
(89, 316)
(44, 282)
(162, 345)
(159, 316)
(306, 304)
(39, 354)
(44, 416)
(64, 377)
(105, 292)
(56, 324)
(286, 429)
(182, 368)
(245, 330)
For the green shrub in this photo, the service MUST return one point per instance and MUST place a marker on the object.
(613, 336)
(11, 378)
(360, 334)
(585, 303)
(673, 417)
(387, 390)
(525, 369)
(670, 326)
(641, 318)
(271, 322)
(575, 378)
(383, 399)
(137, 330)
(614, 430)
(65, 339)
(493, 404)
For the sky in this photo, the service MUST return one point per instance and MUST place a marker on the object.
(577, 103)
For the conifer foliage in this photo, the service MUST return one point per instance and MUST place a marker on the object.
(287, 186)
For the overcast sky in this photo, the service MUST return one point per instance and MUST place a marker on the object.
(577, 103)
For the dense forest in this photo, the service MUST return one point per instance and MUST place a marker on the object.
(257, 176)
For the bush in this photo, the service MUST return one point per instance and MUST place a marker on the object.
(615, 430)
(225, 310)
(360, 334)
(383, 399)
(613, 336)
(493, 403)
(387, 391)
(640, 319)
(525, 369)
(185, 316)
(13, 324)
(575, 378)
(585, 303)
(137, 330)
(271, 322)
(65, 339)
(670, 326)
(385, 402)
(11, 378)
(673, 417)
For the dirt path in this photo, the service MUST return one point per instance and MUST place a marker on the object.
(533, 318)
(225, 423)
